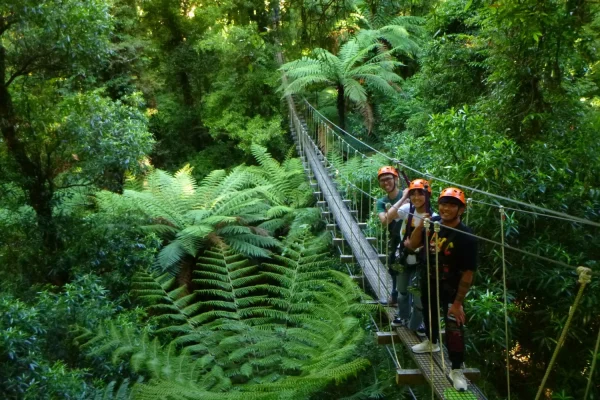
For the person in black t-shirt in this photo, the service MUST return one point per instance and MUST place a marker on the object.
(457, 256)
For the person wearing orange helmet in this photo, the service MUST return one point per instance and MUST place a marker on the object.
(387, 210)
(457, 261)
(409, 306)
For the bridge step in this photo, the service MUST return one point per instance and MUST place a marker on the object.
(387, 337)
(333, 227)
(359, 279)
(326, 214)
(370, 302)
(339, 241)
(349, 258)
(415, 376)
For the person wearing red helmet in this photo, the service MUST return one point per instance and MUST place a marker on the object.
(457, 260)
(388, 215)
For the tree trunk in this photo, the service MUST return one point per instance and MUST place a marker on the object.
(36, 183)
(186, 87)
(341, 107)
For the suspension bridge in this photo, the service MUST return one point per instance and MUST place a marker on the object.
(321, 144)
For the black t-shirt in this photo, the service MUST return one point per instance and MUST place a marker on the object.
(457, 252)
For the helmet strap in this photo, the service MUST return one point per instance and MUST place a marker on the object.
(427, 201)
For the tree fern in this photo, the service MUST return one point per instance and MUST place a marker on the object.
(191, 217)
(283, 329)
(122, 392)
(347, 71)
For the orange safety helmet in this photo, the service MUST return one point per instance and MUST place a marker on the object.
(387, 170)
(455, 194)
(420, 184)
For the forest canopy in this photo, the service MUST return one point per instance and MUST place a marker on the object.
(160, 237)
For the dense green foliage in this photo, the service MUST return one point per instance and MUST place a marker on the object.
(157, 236)
(279, 329)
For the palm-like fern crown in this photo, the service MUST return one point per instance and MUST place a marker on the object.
(368, 57)
(364, 63)
(238, 209)
(282, 329)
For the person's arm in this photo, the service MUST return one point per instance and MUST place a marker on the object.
(391, 214)
(468, 262)
(464, 285)
(416, 236)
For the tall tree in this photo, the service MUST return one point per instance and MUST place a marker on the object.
(57, 133)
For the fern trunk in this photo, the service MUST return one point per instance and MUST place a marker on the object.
(341, 106)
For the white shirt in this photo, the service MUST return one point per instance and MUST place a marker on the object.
(404, 213)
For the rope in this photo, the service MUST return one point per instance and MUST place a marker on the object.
(387, 245)
(585, 277)
(502, 216)
(426, 224)
(436, 233)
(594, 358)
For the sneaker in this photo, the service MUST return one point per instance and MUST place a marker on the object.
(458, 380)
(426, 347)
(398, 322)
(421, 332)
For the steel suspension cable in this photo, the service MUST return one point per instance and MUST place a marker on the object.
(524, 211)
(549, 260)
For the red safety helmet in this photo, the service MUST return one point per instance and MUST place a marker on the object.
(453, 193)
(387, 170)
(421, 184)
